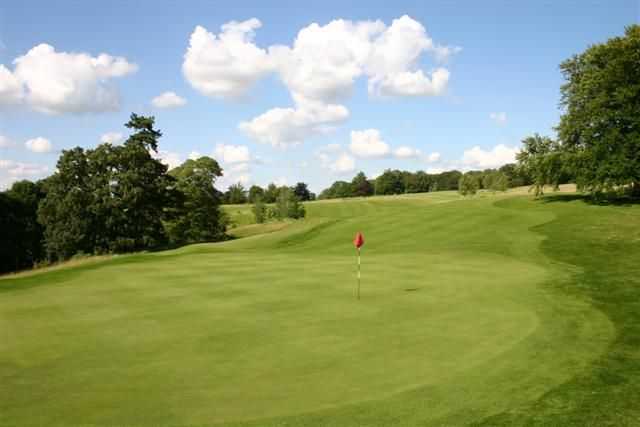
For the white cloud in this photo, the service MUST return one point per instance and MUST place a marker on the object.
(319, 68)
(11, 172)
(281, 181)
(499, 155)
(405, 152)
(344, 164)
(499, 118)
(232, 153)
(168, 100)
(11, 90)
(368, 144)
(169, 158)
(5, 142)
(228, 64)
(283, 127)
(112, 138)
(433, 157)
(39, 145)
(194, 155)
(410, 83)
(60, 82)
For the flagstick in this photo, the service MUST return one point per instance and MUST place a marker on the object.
(358, 273)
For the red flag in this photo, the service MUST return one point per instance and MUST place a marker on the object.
(358, 241)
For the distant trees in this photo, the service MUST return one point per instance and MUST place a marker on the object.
(469, 184)
(302, 192)
(361, 186)
(255, 193)
(543, 160)
(235, 194)
(390, 182)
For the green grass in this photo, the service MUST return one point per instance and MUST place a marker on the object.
(497, 310)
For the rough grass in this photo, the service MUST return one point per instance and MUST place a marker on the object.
(494, 310)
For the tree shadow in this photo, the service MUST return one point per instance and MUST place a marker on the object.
(597, 200)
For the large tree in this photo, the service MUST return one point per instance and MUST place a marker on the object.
(199, 219)
(542, 159)
(360, 186)
(600, 126)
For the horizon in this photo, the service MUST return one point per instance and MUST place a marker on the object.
(315, 94)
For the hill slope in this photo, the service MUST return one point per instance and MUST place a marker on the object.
(496, 310)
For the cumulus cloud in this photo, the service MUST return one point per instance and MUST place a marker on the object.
(39, 145)
(368, 144)
(168, 100)
(227, 153)
(433, 157)
(11, 171)
(60, 82)
(405, 152)
(499, 155)
(228, 64)
(283, 127)
(194, 155)
(169, 158)
(319, 69)
(344, 164)
(112, 138)
(499, 118)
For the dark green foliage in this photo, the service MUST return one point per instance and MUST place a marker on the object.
(235, 194)
(469, 184)
(302, 192)
(20, 233)
(338, 189)
(259, 210)
(390, 182)
(199, 219)
(600, 127)
(516, 177)
(446, 181)
(256, 193)
(543, 160)
(288, 205)
(361, 186)
(419, 182)
(271, 193)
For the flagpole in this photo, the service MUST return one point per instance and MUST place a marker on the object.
(358, 273)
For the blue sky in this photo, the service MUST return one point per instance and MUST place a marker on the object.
(358, 104)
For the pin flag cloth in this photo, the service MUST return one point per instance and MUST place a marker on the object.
(358, 241)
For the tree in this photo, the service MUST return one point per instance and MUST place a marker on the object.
(65, 211)
(390, 182)
(271, 193)
(600, 126)
(360, 186)
(446, 180)
(302, 192)
(338, 189)
(418, 182)
(140, 189)
(469, 184)
(236, 194)
(259, 211)
(288, 205)
(199, 219)
(256, 193)
(543, 161)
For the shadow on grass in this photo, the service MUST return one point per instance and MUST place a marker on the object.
(598, 200)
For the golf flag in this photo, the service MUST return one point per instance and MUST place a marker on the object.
(358, 241)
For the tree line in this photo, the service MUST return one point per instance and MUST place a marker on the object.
(111, 199)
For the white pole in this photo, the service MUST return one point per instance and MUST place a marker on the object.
(358, 273)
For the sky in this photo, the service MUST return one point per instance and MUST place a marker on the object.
(291, 91)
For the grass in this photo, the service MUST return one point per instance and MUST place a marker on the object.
(495, 310)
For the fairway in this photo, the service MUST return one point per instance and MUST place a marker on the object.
(482, 310)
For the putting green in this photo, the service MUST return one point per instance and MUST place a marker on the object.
(461, 318)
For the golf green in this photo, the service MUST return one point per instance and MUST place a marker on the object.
(472, 311)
